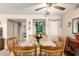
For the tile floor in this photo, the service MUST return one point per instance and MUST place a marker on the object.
(5, 52)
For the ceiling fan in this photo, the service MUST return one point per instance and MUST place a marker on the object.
(50, 5)
(54, 5)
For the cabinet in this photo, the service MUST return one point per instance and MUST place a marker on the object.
(71, 47)
(2, 43)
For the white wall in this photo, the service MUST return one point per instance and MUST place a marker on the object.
(4, 17)
(67, 17)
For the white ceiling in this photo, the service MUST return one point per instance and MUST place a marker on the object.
(29, 8)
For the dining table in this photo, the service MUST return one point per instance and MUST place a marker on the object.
(26, 43)
(42, 42)
(47, 43)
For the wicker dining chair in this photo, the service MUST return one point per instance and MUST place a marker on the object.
(24, 50)
(62, 40)
(10, 43)
(51, 51)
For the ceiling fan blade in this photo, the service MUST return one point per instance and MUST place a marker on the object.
(59, 7)
(40, 8)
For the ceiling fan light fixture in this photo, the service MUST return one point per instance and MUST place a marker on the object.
(44, 4)
(51, 6)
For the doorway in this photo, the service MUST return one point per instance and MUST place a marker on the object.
(54, 28)
(17, 28)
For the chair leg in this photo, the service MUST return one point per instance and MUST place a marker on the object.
(40, 52)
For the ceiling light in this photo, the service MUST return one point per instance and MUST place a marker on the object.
(44, 4)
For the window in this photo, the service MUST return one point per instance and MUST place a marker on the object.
(75, 25)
